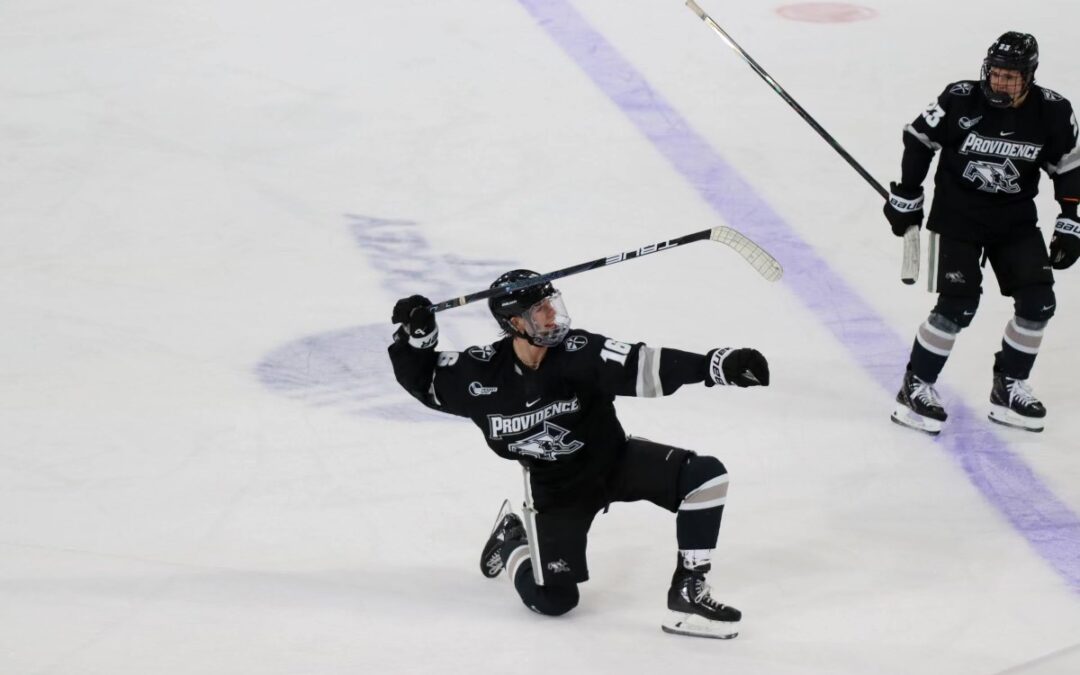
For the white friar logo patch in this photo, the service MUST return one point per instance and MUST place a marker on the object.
(546, 445)
(575, 342)
(482, 353)
(991, 177)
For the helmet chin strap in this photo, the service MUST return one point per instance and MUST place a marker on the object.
(537, 341)
(528, 338)
(524, 335)
(999, 99)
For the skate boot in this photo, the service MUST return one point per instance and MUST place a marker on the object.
(918, 405)
(1013, 404)
(694, 611)
(508, 527)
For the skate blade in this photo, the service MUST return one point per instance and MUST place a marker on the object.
(1010, 418)
(504, 510)
(906, 417)
(487, 571)
(680, 623)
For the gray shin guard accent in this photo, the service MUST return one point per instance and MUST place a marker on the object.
(708, 495)
(1024, 335)
(1029, 324)
(943, 323)
(518, 556)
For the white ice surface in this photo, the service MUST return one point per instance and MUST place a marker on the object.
(205, 466)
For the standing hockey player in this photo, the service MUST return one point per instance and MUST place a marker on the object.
(995, 134)
(544, 396)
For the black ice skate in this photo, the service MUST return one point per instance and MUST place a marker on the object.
(508, 527)
(918, 405)
(1013, 404)
(694, 611)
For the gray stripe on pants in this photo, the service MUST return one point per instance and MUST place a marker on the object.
(530, 531)
(932, 256)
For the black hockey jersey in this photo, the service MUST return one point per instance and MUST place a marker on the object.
(988, 173)
(558, 420)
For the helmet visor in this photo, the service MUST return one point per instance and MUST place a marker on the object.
(547, 322)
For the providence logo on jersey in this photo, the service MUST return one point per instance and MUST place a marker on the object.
(500, 425)
(993, 177)
(547, 445)
(1000, 148)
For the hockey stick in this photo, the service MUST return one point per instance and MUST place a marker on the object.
(909, 269)
(761, 261)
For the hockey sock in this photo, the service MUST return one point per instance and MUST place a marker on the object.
(696, 559)
(697, 523)
(697, 530)
(933, 344)
(1019, 347)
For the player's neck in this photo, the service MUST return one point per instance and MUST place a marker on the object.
(528, 353)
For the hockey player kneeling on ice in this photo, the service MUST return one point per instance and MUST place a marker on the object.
(995, 134)
(544, 396)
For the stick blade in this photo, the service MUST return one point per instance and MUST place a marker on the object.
(909, 267)
(759, 258)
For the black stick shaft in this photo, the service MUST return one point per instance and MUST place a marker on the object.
(784, 95)
(505, 289)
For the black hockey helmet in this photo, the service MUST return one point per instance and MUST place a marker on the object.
(1012, 51)
(542, 329)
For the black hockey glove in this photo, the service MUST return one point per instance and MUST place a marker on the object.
(1065, 244)
(417, 321)
(741, 367)
(904, 208)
